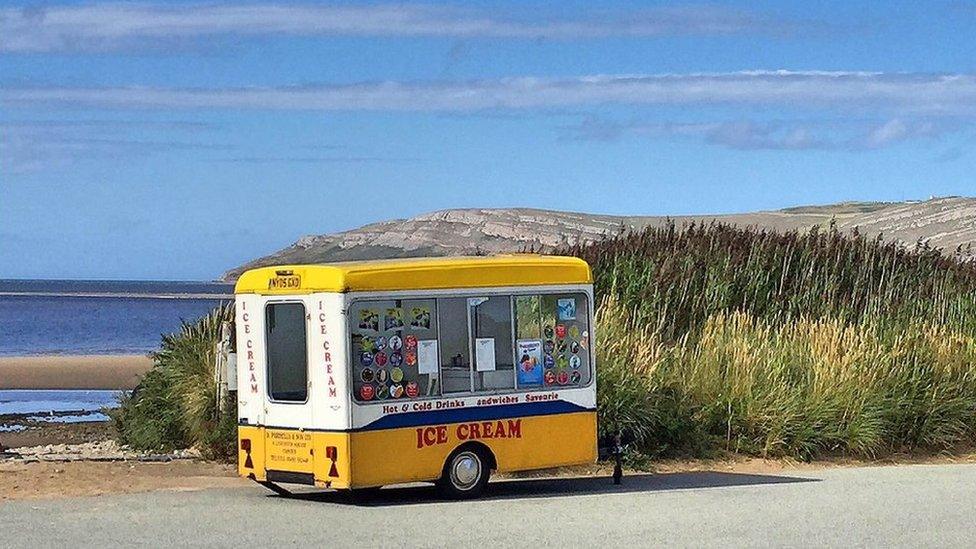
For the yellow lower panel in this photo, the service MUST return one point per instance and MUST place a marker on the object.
(418, 453)
(375, 458)
(325, 454)
(250, 452)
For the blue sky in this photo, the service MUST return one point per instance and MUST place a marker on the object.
(176, 140)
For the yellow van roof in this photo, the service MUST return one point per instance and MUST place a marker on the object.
(416, 274)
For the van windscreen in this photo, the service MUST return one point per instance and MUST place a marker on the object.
(287, 353)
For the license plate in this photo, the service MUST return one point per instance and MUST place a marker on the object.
(288, 282)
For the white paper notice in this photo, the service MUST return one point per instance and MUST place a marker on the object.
(484, 354)
(427, 356)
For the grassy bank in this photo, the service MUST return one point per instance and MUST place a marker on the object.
(799, 345)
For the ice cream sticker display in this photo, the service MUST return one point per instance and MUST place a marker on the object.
(367, 344)
(565, 344)
(396, 343)
(412, 389)
(566, 308)
(393, 319)
(388, 351)
(396, 375)
(530, 367)
(420, 318)
(369, 319)
(550, 377)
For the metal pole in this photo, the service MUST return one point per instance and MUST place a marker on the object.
(618, 451)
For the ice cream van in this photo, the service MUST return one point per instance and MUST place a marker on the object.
(365, 374)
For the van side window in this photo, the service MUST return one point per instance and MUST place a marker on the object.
(415, 348)
(455, 351)
(287, 352)
(491, 335)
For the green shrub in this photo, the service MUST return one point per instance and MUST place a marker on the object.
(175, 404)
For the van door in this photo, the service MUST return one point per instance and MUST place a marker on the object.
(288, 409)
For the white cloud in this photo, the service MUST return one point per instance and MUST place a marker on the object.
(842, 91)
(850, 135)
(739, 135)
(897, 130)
(35, 145)
(107, 25)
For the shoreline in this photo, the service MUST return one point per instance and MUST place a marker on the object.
(52, 372)
(124, 295)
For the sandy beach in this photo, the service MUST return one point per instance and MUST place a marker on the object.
(118, 372)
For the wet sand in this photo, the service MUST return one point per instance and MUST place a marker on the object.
(39, 433)
(120, 372)
(87, 478)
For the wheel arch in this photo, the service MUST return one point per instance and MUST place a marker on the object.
(480, 447)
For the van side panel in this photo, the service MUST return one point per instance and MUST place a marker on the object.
(327, 350)
(325, 454)
(249, 313)
(410, 454)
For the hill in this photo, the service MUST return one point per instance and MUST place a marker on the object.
(946, 223)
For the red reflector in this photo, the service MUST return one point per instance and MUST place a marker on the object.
(246, 444)
(332, 453)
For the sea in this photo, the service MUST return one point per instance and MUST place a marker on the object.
(90, 317)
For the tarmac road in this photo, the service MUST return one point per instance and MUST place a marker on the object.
(905, 506)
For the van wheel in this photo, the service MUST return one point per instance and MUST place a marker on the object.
(465, 474)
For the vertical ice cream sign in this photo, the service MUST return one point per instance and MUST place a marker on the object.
(247, 329)
(327, 351)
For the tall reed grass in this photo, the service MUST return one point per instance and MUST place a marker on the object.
(714, 338)
(799, 389)
(677, 278)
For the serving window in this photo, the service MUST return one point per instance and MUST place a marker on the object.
(415, 348)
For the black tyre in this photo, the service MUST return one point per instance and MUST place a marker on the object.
(465, 474)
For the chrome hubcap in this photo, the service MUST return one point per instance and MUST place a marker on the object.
(466, 470)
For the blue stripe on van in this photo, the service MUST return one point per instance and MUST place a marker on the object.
(475, 413)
